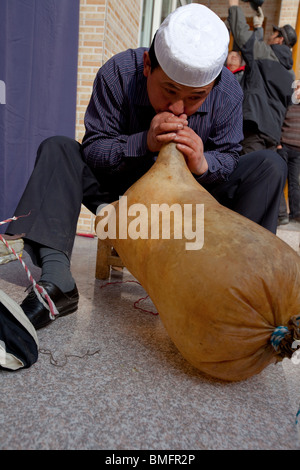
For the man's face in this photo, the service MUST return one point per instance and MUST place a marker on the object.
(275, 38)
(166, 95)
(234, 60)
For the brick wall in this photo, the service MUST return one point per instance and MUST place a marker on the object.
(288, 12)
(106, 27)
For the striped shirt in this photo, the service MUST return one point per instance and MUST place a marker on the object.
(290, 134)
(119, 114)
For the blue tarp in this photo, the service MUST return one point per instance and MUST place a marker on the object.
(38, 78)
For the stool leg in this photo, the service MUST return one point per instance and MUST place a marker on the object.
(102, 263)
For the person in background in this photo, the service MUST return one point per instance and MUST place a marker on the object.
(267, 81)
(236, 65)
(235, 62)
(289, 149)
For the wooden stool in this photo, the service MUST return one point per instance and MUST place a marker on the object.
(106, 257)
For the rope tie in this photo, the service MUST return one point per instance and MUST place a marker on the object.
(286, 339)
(278, 335)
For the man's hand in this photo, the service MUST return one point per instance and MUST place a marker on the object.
(191, 145)
(166, 127)
(258, 18)
(163, 129)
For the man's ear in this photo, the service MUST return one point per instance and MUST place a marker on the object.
(147, 64)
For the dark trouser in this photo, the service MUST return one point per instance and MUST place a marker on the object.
(255, 140)
(292, 157)
(61, 182)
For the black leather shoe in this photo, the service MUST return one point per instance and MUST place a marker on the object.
(39, 315)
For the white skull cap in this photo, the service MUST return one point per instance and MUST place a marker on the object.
(191, 45)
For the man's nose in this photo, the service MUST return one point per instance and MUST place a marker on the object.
(177, 107)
